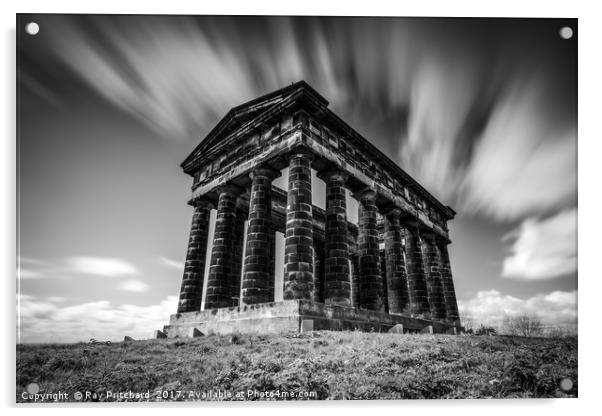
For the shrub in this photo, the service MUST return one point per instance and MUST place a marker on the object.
(485, 330)
(523, 325)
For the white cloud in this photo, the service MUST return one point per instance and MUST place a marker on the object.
(543, 249)
(56, 299)
(174, 264)
(43, 321)
(441, 99)
(31, 268)
(523, 163)
(100, 266)
(521, 166)
(32, 261)
(490, 307)
(28, 274)
(176, 101)
(133, 286)
(33, 308)
(68, 267)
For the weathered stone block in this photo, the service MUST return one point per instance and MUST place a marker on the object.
(397, 329)
(307, 325)
(288, 315)
(427, 330)
(195, 333)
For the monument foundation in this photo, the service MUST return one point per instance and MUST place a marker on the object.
(293, 316)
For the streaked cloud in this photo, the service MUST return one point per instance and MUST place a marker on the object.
(543, 248)
(133, 68)
(44, 321)
(521, 166)
(68, 267)
(100, 266)
(490, 307)
(23, 273)
(136, 286)
(441, 99)
(174, 264)
(488, 129)
(30, 261)
(520, 163)
(56, 299)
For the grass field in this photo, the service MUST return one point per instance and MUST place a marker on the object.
(319, 365)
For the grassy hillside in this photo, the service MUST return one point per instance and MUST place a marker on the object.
(330, 365)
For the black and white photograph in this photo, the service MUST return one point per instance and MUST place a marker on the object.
(295, 207)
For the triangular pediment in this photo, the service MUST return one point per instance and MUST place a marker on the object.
(239, 115)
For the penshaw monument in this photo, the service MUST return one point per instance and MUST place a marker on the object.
(390, 270)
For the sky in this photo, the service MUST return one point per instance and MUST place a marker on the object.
(482, 112)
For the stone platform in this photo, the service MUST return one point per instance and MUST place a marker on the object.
(296, 316)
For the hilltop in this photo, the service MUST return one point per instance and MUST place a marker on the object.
(318, 365)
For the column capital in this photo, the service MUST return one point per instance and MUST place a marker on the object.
(265, 171)
(300, 152)
(442, 241)
(365, 193)
(201, 203)
(393, 212)
(434, 237)
(415, 230)
(428, 236)
(242, 206)
(231, 189)
(333, 173)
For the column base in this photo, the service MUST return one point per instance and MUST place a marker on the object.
(293, 316)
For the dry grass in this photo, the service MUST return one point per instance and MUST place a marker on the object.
(334, 365)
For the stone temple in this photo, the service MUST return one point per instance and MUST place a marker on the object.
(390, 271)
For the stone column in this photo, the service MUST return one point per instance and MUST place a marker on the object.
(236, 272)
(434, 285)
(337, 288)
(222, 255)
(271, 263)
(256, 274)
(449, 292)
(383, 276)
(419, 304)
(397, 283)
(298, 243)
(370, 281)
(191, 291)
(318, 270)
